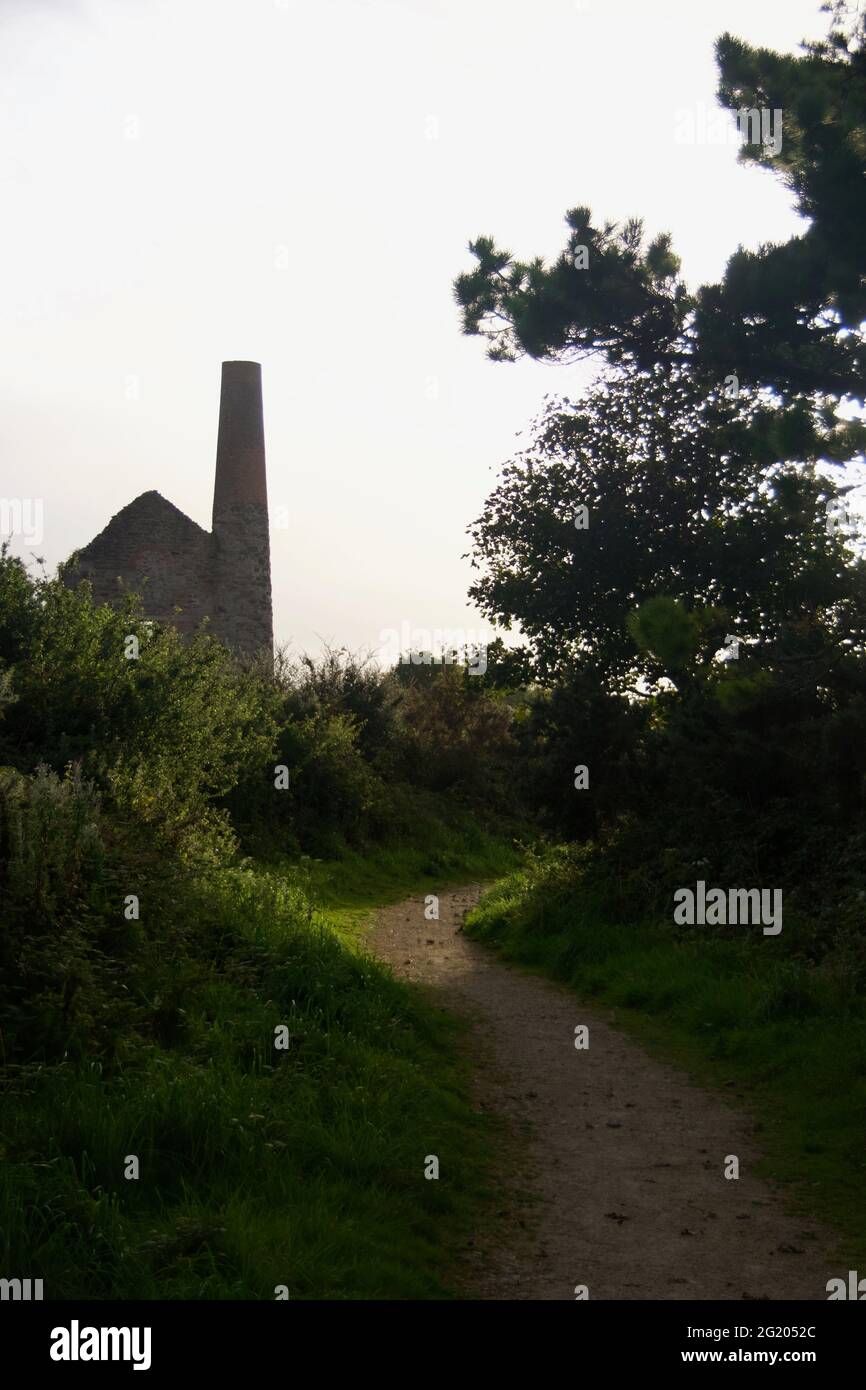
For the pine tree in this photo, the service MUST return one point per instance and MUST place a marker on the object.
(788, 318)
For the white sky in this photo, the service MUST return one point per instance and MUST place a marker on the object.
(183, 181)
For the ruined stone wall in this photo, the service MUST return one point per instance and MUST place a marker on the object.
(153, 549)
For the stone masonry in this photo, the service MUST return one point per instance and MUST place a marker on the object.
(184, 573)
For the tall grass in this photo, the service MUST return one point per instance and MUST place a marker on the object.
(258, 1167)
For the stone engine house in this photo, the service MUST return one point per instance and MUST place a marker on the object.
(184, 573)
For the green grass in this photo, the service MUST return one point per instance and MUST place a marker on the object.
(790, 1036)
(433, 854)
(258, 1167)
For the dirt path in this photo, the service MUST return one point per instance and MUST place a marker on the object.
(614, 1177)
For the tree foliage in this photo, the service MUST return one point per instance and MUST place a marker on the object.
(786, 319)
(671, 498)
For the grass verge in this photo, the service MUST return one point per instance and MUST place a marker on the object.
(257, 1166)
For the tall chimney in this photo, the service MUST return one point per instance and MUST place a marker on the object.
(242, 562)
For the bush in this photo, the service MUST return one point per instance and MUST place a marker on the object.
(133, 764)
(458, 733)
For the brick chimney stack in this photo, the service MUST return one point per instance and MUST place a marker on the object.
(242, 563)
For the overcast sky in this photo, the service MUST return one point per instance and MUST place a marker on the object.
(295, 181)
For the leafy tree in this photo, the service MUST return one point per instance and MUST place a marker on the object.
(667, 630)
(646, 488)
(572, 725)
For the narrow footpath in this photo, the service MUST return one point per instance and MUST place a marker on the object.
(614, 1173)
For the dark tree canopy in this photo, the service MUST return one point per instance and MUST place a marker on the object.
(678, 503)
